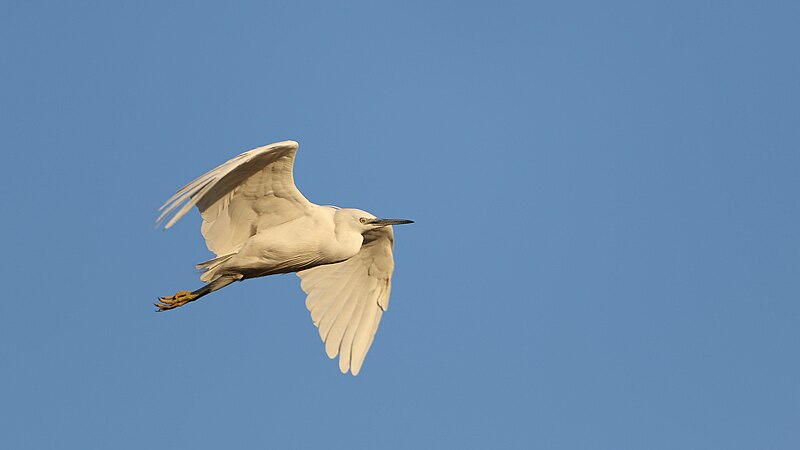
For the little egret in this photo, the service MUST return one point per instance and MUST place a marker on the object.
(258, 224)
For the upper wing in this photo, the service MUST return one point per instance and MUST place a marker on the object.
(347, 299)
(252, 190)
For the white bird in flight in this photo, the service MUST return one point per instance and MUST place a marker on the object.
(258, 223)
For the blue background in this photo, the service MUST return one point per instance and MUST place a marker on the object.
(606, 251)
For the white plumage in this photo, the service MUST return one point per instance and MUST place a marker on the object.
(258, 223)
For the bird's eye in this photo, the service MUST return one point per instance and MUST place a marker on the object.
(363, 220)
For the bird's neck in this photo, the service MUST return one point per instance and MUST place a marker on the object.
(348, 236)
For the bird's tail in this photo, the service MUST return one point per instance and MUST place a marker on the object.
(210, 267)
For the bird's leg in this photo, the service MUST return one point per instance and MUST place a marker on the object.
(183, 297)
(179, 299)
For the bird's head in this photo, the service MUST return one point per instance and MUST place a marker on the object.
(365, 221)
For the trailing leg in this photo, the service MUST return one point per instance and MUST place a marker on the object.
(183, 297)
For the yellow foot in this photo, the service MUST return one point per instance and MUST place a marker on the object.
(179, 299)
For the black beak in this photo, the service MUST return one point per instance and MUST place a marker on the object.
(384, 222)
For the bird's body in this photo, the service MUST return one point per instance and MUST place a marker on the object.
(259, 224)
(302, 243)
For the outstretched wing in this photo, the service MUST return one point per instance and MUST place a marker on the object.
(252, 190)
(347, 299)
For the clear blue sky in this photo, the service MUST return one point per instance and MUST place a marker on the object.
(606, 253)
